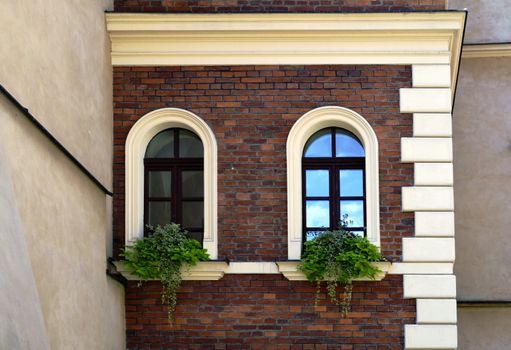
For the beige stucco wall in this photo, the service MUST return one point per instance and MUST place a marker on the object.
(488, 20)
(56, 62)
(21, 319)
(482, 182)
(484, 328)
(65, 220)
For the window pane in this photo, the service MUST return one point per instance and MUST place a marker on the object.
(355, 212)
(351, 182)
(317, 183)
(312, 234)
(159, 213)
(197, 235)
(193, 214)
(162, 145)
(347, 144)
(159, 183)
(190, 145)
(359, 233)
(193, 183)
(319, 145)
(318, 214)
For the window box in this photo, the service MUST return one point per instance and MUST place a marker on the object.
(290, 270)
(203, 271)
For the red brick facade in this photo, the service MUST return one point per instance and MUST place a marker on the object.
(283, 6)
(251, 110)
(267, 312)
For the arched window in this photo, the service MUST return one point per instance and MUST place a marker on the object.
(155, 145)
(332, 169)
(174, 181)
(333, 182)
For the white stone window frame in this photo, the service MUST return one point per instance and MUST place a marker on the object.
(138, 138)
(302, 130)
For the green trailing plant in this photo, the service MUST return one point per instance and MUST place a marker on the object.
(161, 255)
(337, 257)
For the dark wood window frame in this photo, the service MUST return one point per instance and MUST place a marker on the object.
(176, 165)
(333, 164)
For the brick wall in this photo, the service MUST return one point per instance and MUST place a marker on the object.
(267, 312)
(251, 111)
(253, 6)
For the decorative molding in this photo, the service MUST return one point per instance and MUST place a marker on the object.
(426, 100)
(486, 50)
(429, 198)
(431, 337)
(429, 286)
(202, 271)
(428, 75)
(426, 149)
(432, 311)
(419, 249)
(136, 143)
(432, 125)
(234, 39)
(302, 130)
(290, 270)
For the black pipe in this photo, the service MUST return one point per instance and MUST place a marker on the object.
(53, 140)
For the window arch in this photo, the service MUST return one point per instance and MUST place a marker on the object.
(138, 142)
(308, 128)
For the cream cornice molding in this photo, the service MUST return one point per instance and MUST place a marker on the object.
(486, 50)
(242, 39)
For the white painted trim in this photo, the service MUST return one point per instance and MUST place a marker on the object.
(421, 268)
(439, 311)
(433, 174)
(431, 337)
(486, 50)
(290, 270)
(429, 286)
(301, 131)
(432, 125)
(136, 143)
(348, 38)
(424, 100)
(260, 267)
(426, 149)
(429, 75)
(434, 224)
(427, 198)
(202, 271)
(434, 249)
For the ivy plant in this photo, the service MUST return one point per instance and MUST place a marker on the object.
(337, 257)
(161, 255)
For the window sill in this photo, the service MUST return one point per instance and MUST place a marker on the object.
(290, 270)
(203, 271)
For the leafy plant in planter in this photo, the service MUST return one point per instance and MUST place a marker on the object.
(338, 257)
(161, 256)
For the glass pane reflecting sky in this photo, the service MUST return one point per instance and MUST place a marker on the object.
(351, 182)
(347, 145)
(355, 212)
(317, 183)
(318, 214)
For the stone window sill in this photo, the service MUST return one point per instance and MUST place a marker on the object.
(203, 271)
(290, 270)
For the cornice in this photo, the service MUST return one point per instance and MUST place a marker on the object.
(246, 39)
(486, 50)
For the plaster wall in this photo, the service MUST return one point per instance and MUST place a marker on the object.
(21, 320)
(488, 21)
(484, 328)
(64, 219)
(56, 61)
(482, 166)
